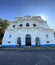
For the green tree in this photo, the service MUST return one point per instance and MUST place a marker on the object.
(3, 25)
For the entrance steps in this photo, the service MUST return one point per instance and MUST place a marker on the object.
(28, 47)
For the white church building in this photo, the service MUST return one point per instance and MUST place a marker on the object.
(28, 31)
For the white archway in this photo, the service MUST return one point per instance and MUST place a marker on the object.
(28, 40)
(37, 41)
(19, 41)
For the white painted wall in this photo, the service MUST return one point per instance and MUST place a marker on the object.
(39, 31)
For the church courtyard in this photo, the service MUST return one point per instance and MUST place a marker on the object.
(27, 57)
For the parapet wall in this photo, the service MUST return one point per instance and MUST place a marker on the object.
(28, 18)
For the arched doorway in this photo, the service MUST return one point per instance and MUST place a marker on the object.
(19, 41)
(28, 40)
(37, 41)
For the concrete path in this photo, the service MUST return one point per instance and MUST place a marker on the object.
(27, 57)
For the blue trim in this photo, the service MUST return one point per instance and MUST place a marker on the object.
(33, 45)
(22, 46)
(12, 46)
(47, 44)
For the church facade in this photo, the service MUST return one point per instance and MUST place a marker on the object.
(28, 31)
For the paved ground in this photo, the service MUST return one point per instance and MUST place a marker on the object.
(27, 57)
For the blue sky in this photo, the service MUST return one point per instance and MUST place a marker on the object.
(9, 9)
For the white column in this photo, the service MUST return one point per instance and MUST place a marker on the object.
(23, 42)
(33, 41)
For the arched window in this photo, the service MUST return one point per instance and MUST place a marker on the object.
(46, 35)
(8, 41)
(13, 26)
(47, 41)
(27, 24)
(37, 41)
(54, 34)
(19, 41)
(10, 36)
(34, 25)
(20, 25)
